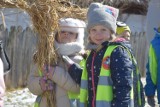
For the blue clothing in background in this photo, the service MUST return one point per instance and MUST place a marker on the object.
(153, 68)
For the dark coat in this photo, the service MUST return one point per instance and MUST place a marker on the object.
(121, 66)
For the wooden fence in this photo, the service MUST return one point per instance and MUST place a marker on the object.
(20, 45)
(140, 48)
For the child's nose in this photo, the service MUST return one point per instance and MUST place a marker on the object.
(98, 33)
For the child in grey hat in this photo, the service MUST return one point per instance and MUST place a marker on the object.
(106, 80)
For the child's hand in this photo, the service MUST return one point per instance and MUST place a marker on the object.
(67, 60)
(48, 71)
(46, 84)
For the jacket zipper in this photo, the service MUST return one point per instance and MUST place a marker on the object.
(93, 85)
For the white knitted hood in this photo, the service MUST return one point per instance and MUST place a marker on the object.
(74, 25)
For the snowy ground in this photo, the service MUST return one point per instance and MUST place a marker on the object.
(19, 98)
(23, 98)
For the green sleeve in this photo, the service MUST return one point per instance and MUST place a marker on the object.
(153, 64)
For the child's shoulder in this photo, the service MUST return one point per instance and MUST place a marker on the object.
(121, 48)
(117, 44)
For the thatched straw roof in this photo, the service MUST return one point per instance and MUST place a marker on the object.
(125, 6)
(132, 7)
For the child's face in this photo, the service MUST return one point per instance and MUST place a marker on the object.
(125, 35)
(98, 34)
(67, 37)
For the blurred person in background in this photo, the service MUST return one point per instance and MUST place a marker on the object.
(153, 70)
(2, 84)
(4, 64)
(123, 30)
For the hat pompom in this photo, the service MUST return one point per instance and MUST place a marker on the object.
(94, 6)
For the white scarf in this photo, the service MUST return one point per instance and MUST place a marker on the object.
(68, 48)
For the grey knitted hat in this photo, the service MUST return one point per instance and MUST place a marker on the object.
(99, 14)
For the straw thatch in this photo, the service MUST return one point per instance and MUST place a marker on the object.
(125, 6)
(45, 15)
(133, 7)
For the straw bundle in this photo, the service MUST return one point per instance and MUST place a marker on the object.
(45, 15)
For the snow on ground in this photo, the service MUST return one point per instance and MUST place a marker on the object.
(19, 98)
(23, 98)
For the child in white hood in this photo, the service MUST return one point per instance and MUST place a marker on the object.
(69, 42)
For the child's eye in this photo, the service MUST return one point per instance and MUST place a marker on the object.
(63, 32)
(123, 36)
(71, 33)
(93, 30)
(104, 30)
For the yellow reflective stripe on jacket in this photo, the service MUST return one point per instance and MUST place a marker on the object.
(82, 63)
(138, 81)
(74, 97)
(104, 86)
(40, 73)
(132, 94)
(153, 65)
(139, 93)
(37, 102)
(84, 88)
(38, 99)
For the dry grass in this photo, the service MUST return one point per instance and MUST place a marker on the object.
(45, 15)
